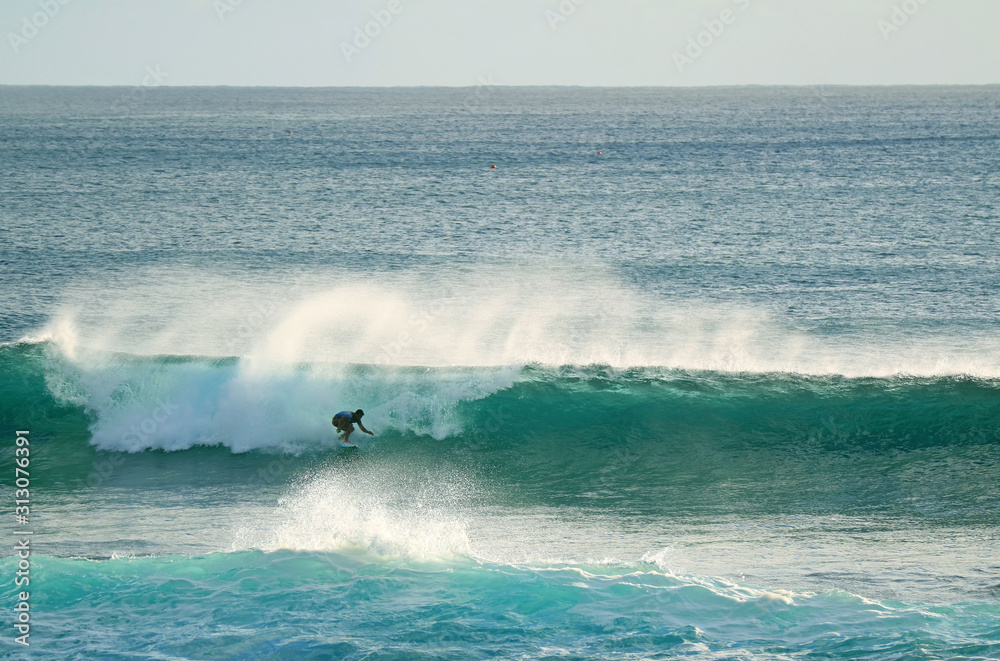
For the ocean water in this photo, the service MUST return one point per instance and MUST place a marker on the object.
(690, 373)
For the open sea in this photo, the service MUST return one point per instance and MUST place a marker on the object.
(691, 373)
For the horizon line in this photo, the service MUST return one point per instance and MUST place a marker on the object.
(535, 86)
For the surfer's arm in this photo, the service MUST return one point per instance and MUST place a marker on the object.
(365, 430)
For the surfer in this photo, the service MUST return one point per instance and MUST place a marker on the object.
(344, 424)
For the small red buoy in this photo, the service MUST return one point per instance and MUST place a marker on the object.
(599, 153)
(493, 167)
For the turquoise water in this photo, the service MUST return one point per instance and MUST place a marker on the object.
(315, 605)
(729, 389)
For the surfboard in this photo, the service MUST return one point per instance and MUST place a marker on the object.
(346, 445)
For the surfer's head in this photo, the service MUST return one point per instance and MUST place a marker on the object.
(358, 413)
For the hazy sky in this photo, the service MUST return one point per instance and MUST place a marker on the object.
(499, 42)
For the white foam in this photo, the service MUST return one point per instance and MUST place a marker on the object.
(61, 332)
(664, 559)
(175, 405)
(488, 316)
(391, 512)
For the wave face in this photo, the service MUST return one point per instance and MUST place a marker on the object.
(638, 438)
